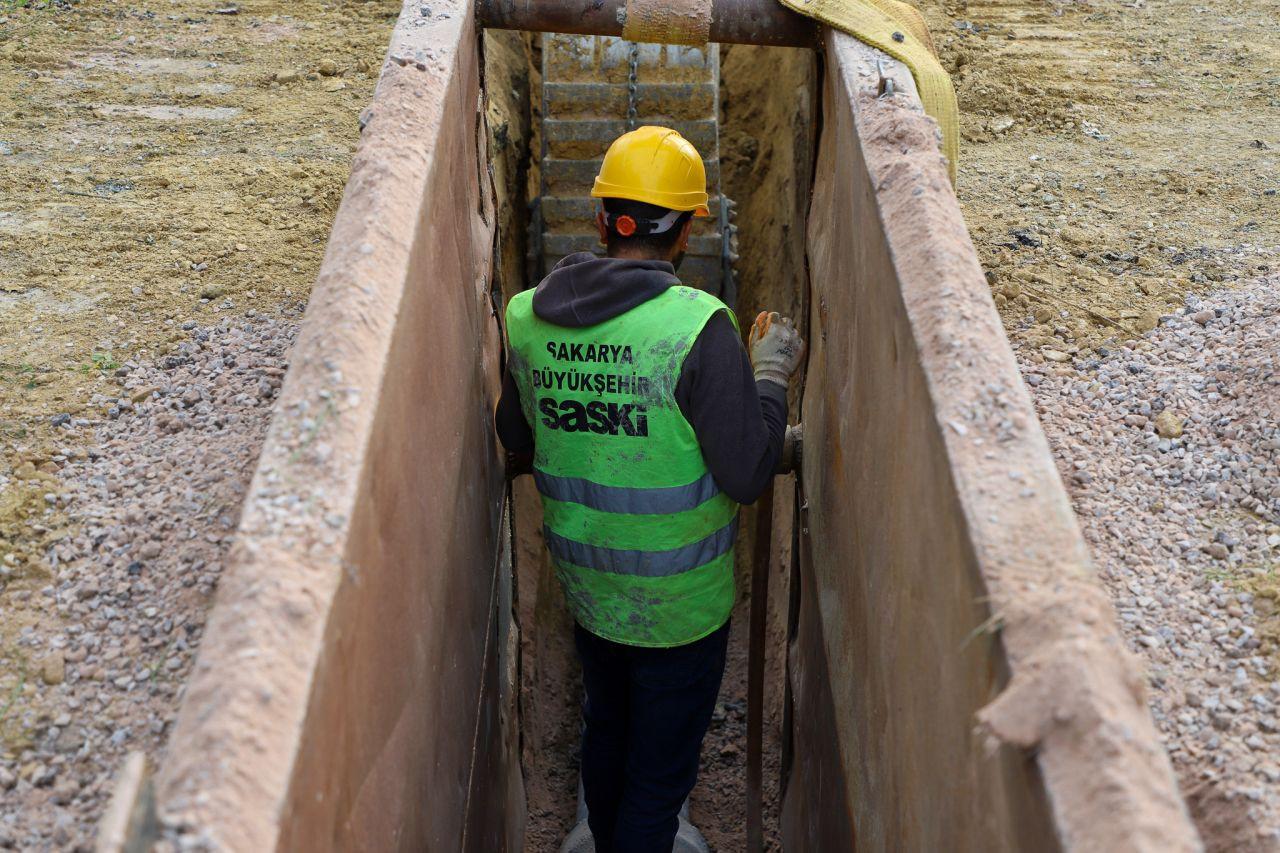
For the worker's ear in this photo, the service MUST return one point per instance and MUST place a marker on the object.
(683, 243)
(600, 227)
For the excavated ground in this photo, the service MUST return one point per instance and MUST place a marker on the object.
(167, 180)
(1120, 176)
(168, 174)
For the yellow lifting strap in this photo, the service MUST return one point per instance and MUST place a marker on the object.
(877, 22)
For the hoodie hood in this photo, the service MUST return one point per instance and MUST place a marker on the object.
(583, 290)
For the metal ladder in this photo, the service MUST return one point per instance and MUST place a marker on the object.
(594, 89)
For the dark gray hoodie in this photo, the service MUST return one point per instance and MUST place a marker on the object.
(739, 422)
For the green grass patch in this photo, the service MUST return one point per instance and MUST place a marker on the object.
(100, 361)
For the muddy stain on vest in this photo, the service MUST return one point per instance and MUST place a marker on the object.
(671, 353)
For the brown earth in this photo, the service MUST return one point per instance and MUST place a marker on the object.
(1115, 155)
(154, 166)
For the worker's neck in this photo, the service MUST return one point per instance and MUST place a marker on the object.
(638, 255)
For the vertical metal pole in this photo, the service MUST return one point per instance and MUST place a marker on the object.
(755, 670)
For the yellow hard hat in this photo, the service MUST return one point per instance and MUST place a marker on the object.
(655, 165)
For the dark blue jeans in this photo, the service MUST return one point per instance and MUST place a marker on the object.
(645, 713)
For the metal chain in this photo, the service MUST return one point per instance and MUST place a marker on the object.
(631, 85)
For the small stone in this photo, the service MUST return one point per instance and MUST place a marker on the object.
(1217, 551)
(42, 776)
(53, 669)
(328, 68)
(212, 291)
(150, 550)
(65, 791)
(63, 831)
(1055, 355)
(7, 779)
(1203, 317)
(1168, 424)
(60, 419)
(287, 75)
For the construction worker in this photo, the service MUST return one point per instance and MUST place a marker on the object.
(648, 424)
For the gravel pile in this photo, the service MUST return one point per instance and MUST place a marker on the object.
(1169, 451)
(156, 496)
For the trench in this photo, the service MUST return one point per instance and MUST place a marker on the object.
(388, 664)
(766, 146)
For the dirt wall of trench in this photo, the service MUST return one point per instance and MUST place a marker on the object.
(353, 691)
(943, 578)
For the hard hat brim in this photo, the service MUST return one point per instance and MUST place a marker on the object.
(694, 202)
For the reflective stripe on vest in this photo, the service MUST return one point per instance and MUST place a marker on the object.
(640, 501)
(647, 564)
(640, 534)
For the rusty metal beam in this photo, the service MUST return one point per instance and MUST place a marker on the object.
(765, 22)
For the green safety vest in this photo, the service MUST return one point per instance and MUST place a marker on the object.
(640, 534)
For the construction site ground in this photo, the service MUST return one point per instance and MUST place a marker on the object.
(167, 178)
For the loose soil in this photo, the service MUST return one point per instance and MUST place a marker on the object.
(1116, 156)
(167, 180)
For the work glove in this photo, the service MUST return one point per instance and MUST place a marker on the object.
(775, 346)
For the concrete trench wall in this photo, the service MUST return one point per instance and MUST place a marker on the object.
(942, 579)
(354, 690)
